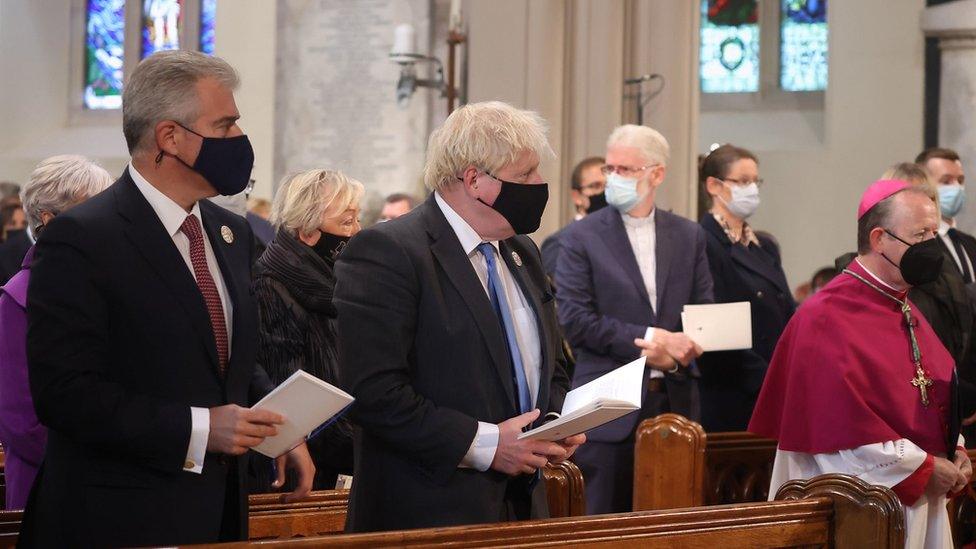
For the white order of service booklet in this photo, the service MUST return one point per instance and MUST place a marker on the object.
(600, 401)
(306, 402)
(719, 326)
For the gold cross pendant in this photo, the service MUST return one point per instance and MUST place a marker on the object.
(922, 383)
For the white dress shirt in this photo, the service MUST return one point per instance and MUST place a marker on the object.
(482, 450)
(944, 227)
(643, 240)
(172, 216)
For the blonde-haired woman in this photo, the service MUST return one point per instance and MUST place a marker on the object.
(315, 213)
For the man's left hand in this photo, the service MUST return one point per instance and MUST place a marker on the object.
(961, 461)
(570, 444)
(301, 461)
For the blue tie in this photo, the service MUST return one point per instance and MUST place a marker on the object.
(496, 292)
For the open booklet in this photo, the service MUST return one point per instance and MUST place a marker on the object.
(719, 326)
(600, 401)
(306, 402)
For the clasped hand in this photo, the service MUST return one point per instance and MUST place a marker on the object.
(667, 349)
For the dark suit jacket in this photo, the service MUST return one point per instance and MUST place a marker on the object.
(550, 252)
(752, 274)
(423, 352)
(604, 306)
(12, 252)
(119, 347)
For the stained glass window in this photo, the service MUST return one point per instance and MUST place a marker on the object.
(104, 53)
(208, 18)
(730, 46)
(162, 23)
(803, 45)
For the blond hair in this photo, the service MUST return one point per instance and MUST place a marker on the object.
(915, 174)
(652, 145)
(304, 199)
(60, 182)
(488, 136)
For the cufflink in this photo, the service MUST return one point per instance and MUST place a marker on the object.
(188, 464)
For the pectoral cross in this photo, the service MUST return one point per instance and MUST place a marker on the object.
(922, 383)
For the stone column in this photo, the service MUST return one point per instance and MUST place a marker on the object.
(954, 24)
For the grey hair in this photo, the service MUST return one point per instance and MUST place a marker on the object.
(652, 145)
(162, 87)
(304, 199)
(58, 183)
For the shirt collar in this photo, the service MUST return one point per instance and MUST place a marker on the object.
(638, 222)
(169, 212)
(944, 226)
(747, 237)
(877, 278)
(465, 233)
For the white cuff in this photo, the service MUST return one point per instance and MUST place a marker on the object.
(649, 336)
(199, 433)
(482, 450)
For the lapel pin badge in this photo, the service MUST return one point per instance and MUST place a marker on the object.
(517, 259)
(227, 234)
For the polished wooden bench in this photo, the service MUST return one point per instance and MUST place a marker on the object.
(830, 511)
(677, 465)
(324, 513)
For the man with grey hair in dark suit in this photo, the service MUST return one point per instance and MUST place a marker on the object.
(625, 273)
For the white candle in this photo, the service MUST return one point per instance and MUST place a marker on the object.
(404, 40)
(454, 22)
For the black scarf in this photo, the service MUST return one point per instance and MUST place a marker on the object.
(309, 278)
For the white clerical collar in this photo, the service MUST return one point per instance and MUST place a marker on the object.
(638, 222)
(876, 277)
(168, 211)
(944, 226)
(466, 235)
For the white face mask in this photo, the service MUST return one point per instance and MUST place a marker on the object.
(744, 202)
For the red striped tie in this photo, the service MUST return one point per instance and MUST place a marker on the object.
(198, 257)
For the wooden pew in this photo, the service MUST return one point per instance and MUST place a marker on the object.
(324, 513)
(677, 465)
(830, 511)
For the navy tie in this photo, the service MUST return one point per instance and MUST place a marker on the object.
(496, 292)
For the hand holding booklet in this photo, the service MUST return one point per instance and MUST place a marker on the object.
(306, 402)
(600, 401)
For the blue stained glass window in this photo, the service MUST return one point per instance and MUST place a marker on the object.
(162, 24)
(729, 46)
(104, 53)
(803, 45)
(208, 18)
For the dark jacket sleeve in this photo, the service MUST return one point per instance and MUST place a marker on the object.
(703, 290)
(68, 351)
(550, 254)
(377, 295)
(579, 315)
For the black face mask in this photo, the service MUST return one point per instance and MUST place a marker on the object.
(330, 245)
(225, 162)
(521, 204)
(597, 202)
(921, 263)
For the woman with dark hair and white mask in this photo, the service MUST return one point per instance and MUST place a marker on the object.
(745, 266)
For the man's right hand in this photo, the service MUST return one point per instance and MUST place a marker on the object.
(657, 357)
(515, 457)
(679, 346)
(945, 475)
(234, 429)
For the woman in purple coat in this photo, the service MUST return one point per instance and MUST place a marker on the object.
(57, 184)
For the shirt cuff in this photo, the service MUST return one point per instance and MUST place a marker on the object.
(649, 334)
(912, 488)
(654, 372)
(199, 433)
(482, 450)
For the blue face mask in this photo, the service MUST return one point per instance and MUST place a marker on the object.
(951, 200)
(622, 192)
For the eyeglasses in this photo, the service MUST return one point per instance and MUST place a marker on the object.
(759, 182)
(595, 186)
(249, 188)
(608, 169)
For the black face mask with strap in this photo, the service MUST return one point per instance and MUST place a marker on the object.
(330, 245)
(921, 262)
